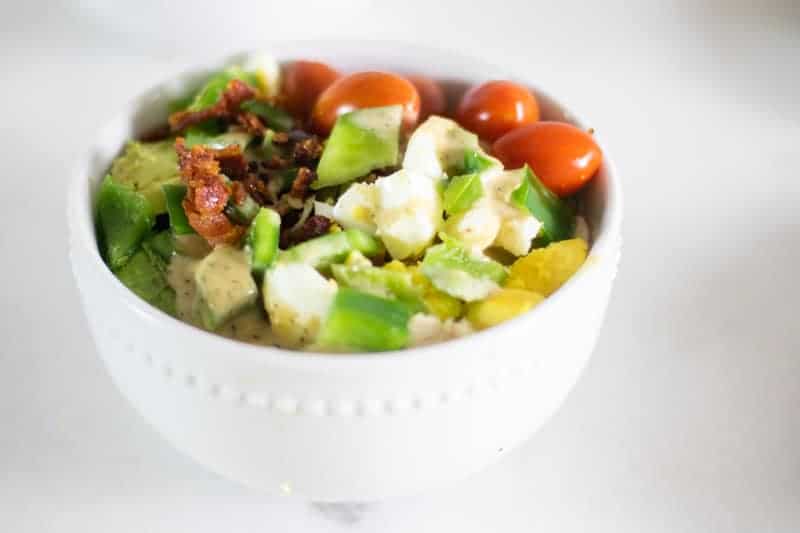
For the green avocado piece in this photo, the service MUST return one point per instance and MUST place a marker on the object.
(225, 286)
(361, 141)
(145, 167)
(124, 219)
(145, 275)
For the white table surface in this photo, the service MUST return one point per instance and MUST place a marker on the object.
(686, 418)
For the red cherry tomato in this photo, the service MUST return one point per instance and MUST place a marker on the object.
(496, 107)
(365, 89)
(431, 96)
(562, 156)
(303, 81)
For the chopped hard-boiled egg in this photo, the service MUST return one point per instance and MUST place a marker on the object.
(428, 329)
(356, 208)
(477, 227)
(493, 220)
(297, 298)
(517, 233)
(408, 212)
(438, 146)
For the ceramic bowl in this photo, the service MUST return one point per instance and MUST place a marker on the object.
(354, 427)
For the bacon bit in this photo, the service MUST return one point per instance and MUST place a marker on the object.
(302, 183)
(315, 226)
(307, 151)
(276, 163)
(207, 193)
(251, 123)
(257, 188)
(231, 99)
(231, 161)
(280, 137)
(238, 192)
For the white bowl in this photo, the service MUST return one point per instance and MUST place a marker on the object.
(342, 427)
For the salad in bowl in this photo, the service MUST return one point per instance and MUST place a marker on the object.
(235, 225)
(312, 209)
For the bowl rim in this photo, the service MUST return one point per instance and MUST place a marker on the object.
(82, 237)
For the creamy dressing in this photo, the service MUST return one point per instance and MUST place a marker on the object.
(251, 326)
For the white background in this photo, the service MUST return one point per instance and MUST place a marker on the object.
(686, 419)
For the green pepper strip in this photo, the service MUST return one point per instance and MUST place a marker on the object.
(360, 321)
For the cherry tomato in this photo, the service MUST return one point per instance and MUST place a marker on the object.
(365, 89)
(562, 156)
(303, 81)
(496, 107)
(431, 97)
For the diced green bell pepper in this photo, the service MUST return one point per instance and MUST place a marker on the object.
(461, 193)
(262, 240)
(210, 93)
(364, 322)
(476, 162)
(558, 220)
(322, 252)
(174, 195)
(244, 212)
(209, 137)
(125, 218)
(380, 282)
(273, 117)
(361, 141)
(454, 269)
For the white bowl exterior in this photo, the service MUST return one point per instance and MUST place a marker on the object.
(342, 428)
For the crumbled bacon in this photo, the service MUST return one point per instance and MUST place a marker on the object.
(235, 93)
(207, 193)
(257, 189)
(251, 123)
(308, 151)
(280, 138)
(314, 226)
(238, 192)
(302, 184)
(231, 161)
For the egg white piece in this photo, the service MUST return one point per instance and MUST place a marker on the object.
(356, 208)
(408, 212)
(297, 299)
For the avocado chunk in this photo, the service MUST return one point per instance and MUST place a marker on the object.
(145, 167)
(124, 219)
(225, 286)
(361, 141)
(145, 275)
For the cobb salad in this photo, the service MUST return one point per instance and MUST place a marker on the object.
(302, 207)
